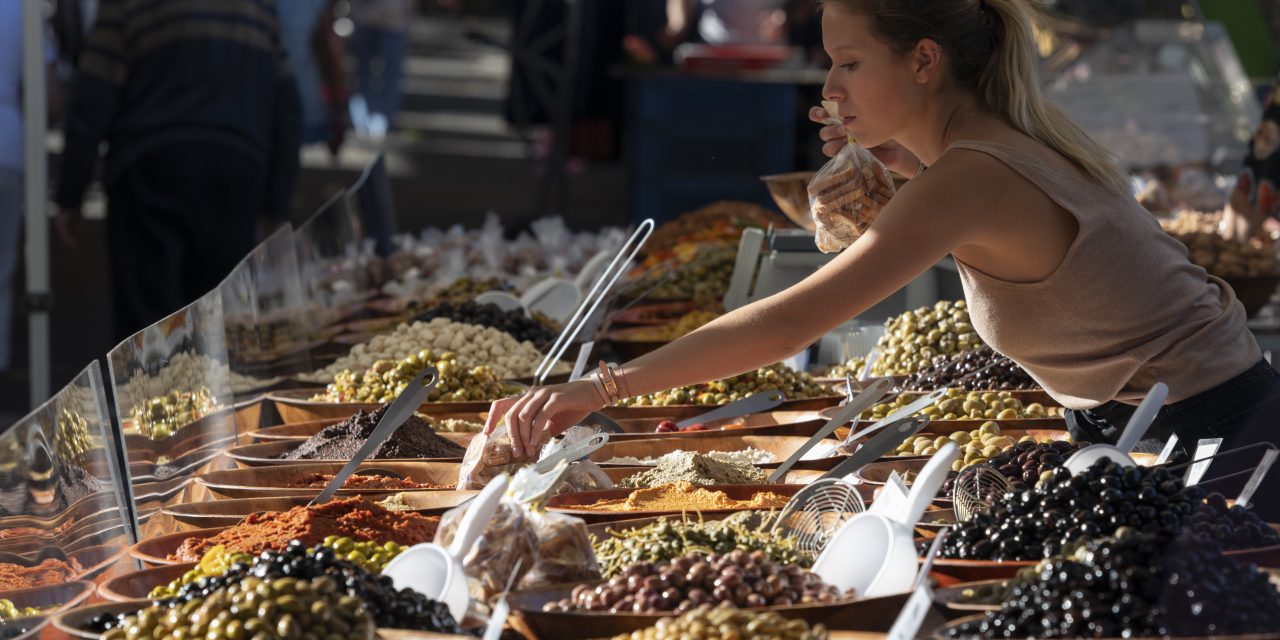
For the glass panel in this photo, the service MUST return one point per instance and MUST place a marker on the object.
(62, 493)
(172, 387)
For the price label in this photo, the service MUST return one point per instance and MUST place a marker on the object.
(1205, 448)
(1167, 451)
(912, 616)
(1255, 480)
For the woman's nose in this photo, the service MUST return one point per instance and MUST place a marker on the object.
(830, 91)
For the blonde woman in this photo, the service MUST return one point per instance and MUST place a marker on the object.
(1062, 270)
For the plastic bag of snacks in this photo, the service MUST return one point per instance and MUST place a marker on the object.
(583, 475)
(508, 545)
(846, 195)
(564, 551)
(487, 457)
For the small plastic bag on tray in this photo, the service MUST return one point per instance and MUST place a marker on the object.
(509, 543)
(583, 475)
(564, 550)
(846, 195)
(487, 457)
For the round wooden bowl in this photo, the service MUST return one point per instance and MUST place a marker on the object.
(75, 622)
(257, 482)
(941, 633)
(769, 423)
(294, 406)
(780, 446)
(226, 513)
(572, 503)
(651, 314)
(51, 599)
(682, 411)
(303, 430)
(98, 559)
(155, 552)
(266, 454)
(136, 585)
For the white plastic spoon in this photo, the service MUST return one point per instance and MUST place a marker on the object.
(1138, 424)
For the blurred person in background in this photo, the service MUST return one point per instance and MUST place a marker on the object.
(315, 52)
(199, 109)
(378, 44)
(11, 157)
(1255, 199)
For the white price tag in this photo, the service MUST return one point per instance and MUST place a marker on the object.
(1255, 480)
(1167, 451)
(913, 613)
(1205, 448)
(580, 365)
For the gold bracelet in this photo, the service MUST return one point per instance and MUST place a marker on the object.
(610, 385)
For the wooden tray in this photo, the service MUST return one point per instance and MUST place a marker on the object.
(53, 598)
(682, 411)
(74, 622)
(136, 585)
(780, 446)
(302, 430)
(771, 423)
(570, 503)
(651, 314)
(953, 597)
(293, 406)
(154, 552)
(272, 481)
(1040, 435)
(872, 615)
(225, 513)
(264, 454)
(980, 570)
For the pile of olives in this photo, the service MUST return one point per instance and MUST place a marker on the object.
(976, 447)
(958, 405)
(514, 322)
(10, 611)
(386, 605)
(726, 621)
(915, 338)
(705, 278)
(695, 579)
(968, 371)
(1027, 463)
(793, 384)
(161, 416)
(666, 540)
(1136, 585)
(284, 607)
(73, 441)
(217, 561)
(1062, 508)
(384, 381)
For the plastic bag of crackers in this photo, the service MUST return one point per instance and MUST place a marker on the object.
(846, 195)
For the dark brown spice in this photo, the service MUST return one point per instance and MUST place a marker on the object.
(414, 439)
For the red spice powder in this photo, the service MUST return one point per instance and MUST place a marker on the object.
(355, 518)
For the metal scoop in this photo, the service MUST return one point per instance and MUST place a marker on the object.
(875, 554)
(1138, 424)
(438, 573)
(849, 411)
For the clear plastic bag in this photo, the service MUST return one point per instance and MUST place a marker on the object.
(582, 475)
(509, 544)
(846, 195)
(487, 457)
(564, 551)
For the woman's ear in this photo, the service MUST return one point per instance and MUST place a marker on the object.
(926, 60)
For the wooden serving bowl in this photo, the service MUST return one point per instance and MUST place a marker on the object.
(51, 598)
(302, 430)
(154, 552)
(572, 503)
(75, 622)
(136, 585)
(266, 454)
(873, 615)
(682, 411)
(295, 406)
(769, 423)
(275, 480)
(225, 513)
(780, 446)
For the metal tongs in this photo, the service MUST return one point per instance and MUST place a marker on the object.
(414, 394)
(603, 284)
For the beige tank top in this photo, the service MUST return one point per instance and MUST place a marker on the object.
(1125, 308)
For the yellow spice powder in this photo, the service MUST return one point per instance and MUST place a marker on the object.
(686, 496)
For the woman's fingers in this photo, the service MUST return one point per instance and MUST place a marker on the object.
(832, 148)
(818, 115)
(498, 412)
(833, 132)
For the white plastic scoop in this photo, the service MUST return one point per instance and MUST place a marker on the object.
(438, 573)
(1138, 424)
(875, 554)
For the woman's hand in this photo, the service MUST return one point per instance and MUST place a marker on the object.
(893, 155)
(543, 410)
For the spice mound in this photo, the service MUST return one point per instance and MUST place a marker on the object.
(685, 496)
(414, 439)
(50, 571)
(321, 480)
(697, 468)
(355, 518)
(750, 455)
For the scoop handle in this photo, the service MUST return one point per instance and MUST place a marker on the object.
(572, 452)
(1142, 417)
(927, 484)
(478, 516)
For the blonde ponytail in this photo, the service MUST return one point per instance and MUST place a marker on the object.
(992, 50)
